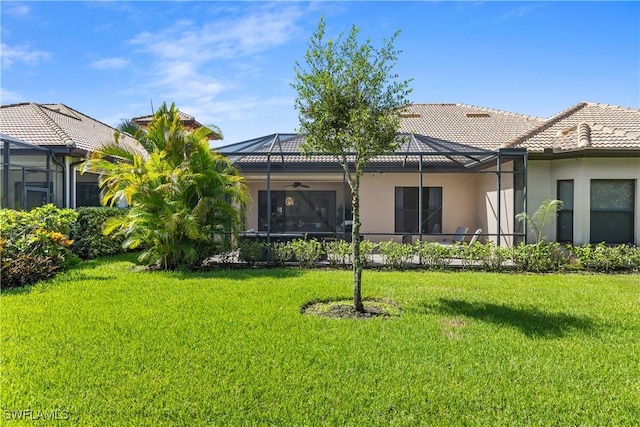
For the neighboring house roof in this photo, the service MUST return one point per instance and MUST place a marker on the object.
(584, 126)
(449, 135)
(57, 125)
(188, 122)
(466, 124)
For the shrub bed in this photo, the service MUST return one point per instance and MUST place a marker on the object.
(87, 232)
(534, 258)
(34, 244)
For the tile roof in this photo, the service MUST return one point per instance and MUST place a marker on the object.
(466, 124)
(586, 125)
(187, 120)
(56, 125)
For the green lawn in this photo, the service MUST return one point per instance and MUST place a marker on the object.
(108, 345)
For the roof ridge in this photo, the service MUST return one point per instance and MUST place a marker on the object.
(611, 106)
(545, 125)
(66, 139)
(495, 110)
(17, 104)
(63, 109)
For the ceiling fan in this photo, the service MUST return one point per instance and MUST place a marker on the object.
(297, 184)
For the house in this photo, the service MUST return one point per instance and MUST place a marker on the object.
(477, 167)
(588, 156)
(450, 151)
(42, 147)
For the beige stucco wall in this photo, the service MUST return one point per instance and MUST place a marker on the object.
(469, 199)
(544, 174)
(377, 194)
(487, 205)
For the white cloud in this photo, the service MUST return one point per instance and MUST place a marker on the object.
(195, 66)
(9, 97)
(10, 55)
(262, 28)
(110, 63)
(16, 9)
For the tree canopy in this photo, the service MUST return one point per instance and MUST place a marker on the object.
(348, 100)
(186, 201)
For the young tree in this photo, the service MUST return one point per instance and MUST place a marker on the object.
(186, 201)
(540, 218)
(347, 101)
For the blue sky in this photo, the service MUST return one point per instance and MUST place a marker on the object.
(231, 63)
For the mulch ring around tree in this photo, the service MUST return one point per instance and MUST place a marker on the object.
(343, 309)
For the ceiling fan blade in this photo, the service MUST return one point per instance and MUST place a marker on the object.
(296, 184)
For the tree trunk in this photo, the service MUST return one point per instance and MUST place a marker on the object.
(355, 242)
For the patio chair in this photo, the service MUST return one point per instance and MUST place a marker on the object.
(475, 236)
(459, 235)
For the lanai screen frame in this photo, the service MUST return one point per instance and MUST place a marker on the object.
(10, 144)
(411, 153)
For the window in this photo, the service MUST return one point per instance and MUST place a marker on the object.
(407, 209)
(298, 211)
(37, 194)
(612, 210)
(88, 194)
(564, 224)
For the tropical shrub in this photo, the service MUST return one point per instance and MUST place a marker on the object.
(308, 252)
(540, 218)
(251, 251)
(34, 244)
(432, 254)
(281, 252)
(89, 240)
(187, 202)
(605, 258)
(395, 255)
(539, 257)
(338, 252)
(367, 247)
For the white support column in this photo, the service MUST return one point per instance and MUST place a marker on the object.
(68, 170)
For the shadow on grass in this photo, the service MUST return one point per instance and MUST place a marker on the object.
(531, 322)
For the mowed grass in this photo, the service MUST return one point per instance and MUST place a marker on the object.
(116, 346)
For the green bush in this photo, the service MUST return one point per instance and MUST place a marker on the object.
(433, 255)
(366, 251)
(89, 240)
(308, 252)
(281, 252)
(338, 252)
(539, 257)
(395, 255)
(34, 244)
(251, 251)
(605, 258)
(487, 256)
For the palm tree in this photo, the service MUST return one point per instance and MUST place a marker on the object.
(187, 202)
(538, 221)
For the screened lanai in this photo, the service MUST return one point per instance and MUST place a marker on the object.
(424, 190)
(30, 175)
